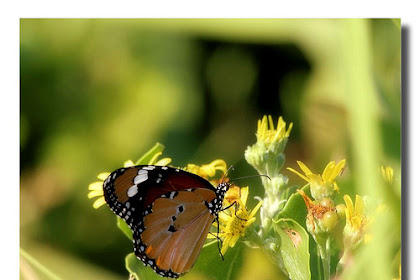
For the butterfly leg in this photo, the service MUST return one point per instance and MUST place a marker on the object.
(219, 244)
(236, 209)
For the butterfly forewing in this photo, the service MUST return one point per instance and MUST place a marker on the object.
(168, 212)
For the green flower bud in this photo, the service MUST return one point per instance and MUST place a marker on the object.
(327, 202)
(341, 211)
(329, 221)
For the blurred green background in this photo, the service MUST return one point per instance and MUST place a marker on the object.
(96, 92)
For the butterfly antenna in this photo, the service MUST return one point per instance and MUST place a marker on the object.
(224, 176)
(251, 176)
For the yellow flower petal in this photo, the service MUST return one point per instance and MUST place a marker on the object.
(95, 186)
(99, 202)
(340, 166)
(244, 194)
(95, 193)
(223, 217)
(128, 163)
(163, 162)
(102, 176)
(225, 246)
(255, 210)
(315, 178)
(233, 240)
(349, 207)
(207, 170)
(154, 158)
(250, 221)
(335, 170)
(211, 236)
(219, 164)
(270, 123)
(297, 173)
(328, 171)
(359, 207)
(289, 129)
(304, 168)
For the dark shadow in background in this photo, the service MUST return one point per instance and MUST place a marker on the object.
(405, 154)
(273, 63)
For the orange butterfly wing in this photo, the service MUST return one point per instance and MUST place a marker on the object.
(174, 232)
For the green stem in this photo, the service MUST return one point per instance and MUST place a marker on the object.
(38, 265)
(325, 253)
(319, 264)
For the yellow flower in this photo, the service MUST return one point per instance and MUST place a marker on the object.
(266, 156)
(356, 222)
(96, 188)
(354, 213)
(322, 185)
(266, 133)
(208, 171)
(235, 221)
(387, 174)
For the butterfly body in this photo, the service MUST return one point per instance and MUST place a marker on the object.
(169, 210)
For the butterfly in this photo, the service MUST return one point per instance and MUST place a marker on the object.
(169, 210)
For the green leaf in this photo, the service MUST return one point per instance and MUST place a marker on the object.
(295, 208)
(210, 263)
(294, 248)
(145, 159)
(136, 268)
(122, 225)
(44, 271)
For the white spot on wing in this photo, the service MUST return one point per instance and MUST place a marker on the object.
(141, 177)
(151, 167)
(164, 167)
(132, 191)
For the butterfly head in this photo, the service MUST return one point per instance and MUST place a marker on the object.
(221, 189)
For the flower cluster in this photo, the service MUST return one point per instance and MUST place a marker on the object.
(356, 222)
(267, 157)
(324, 216)
(235, 220)
(322, 186)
